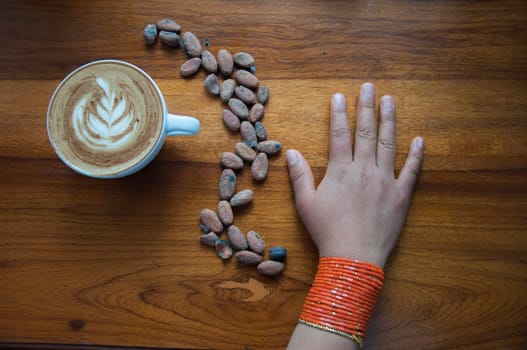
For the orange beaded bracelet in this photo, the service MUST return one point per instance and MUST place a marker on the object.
(342, 297)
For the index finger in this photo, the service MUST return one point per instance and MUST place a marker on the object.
(340, 135)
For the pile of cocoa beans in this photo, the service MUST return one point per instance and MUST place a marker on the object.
(232, 78)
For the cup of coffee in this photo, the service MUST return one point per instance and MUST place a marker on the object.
(108, 119)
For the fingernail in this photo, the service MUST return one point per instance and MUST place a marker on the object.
(387, 102)
(367, 90)
(419, 144)
(338, 99)
(292, 157)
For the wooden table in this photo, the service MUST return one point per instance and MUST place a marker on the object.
(119, 262)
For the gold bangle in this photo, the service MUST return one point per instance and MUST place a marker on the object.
(353, 337)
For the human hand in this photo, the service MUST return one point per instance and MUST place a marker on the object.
(359, 208)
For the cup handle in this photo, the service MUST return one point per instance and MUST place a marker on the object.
(181, 125)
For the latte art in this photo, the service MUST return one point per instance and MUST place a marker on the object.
(104, 120)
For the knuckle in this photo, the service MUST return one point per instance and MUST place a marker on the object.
(388, 115)
(418, 157)
(387, 144)
(340, 110)
(414, 163)
(366, 131)
(296, 175)
(415, 169)
(340, 132)
(339, 170)
(366, 175)
(367, 103)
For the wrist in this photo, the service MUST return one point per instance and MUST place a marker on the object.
(354, 254)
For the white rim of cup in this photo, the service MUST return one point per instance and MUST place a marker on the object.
(63, 81)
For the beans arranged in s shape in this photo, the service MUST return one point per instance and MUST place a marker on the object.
(233, 79)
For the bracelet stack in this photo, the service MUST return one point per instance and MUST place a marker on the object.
(342, 297)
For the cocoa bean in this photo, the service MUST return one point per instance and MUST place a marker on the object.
(223, 249)
(227, 90)
(212, 86)
(150, 34)
(247, 257)
(227, 184)
(231, 120)
(169, 38)
(260, 167)
(246, 95)
(209, 239)
(190, 67)
(245, 152)
(270, 268)
(237, 238)
(225, 214)
(256, 242)
(263, 94)
(248, 134)
(168, 25)
(208, 62)
(246, 79)
(239, 108)
(225, 62)
(256, 113)
(270, 147)
(261, 133)
(209, 219)
(231, 161)
(191, 44)
(241, 198)
(244, 59)
(277, 253)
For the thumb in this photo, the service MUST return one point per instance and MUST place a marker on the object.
(301, 177)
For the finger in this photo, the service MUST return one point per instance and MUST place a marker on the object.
(412, 167)
(301, 177)
(365, 131)
(340, 135)
(386, 140)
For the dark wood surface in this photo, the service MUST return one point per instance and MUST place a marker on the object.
(86, 261)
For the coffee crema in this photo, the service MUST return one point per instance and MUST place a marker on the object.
(105, 118)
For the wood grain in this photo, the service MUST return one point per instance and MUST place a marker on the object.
(88, 262)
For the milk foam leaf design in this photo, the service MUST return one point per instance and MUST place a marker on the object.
(105, 100)
(119, 109)
(104, 119)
